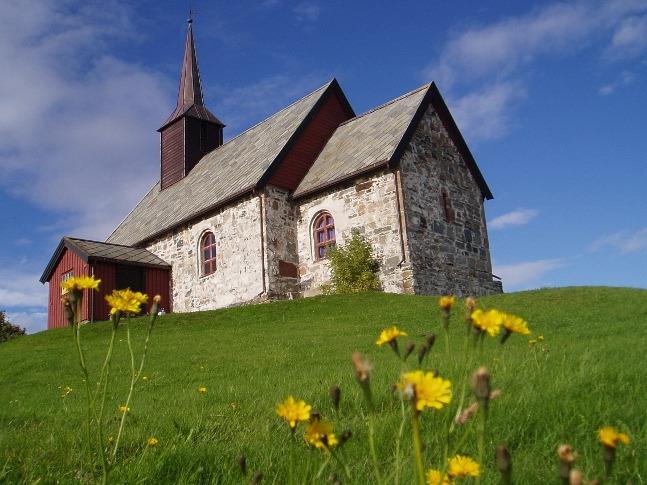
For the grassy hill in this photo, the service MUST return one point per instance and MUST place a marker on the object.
(589, 371)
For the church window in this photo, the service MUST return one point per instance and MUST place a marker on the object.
(208, 253)
(324, 234)
(447, 207)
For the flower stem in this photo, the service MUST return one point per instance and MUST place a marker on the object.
(340, 462)
(396, 480)
(417, 446)
(105, 374)
(481, 442)
(371, 444)
(86, 380)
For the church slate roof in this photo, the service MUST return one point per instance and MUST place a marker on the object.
(226, 173)
(363, 142)
(100, 251)
(378, 139)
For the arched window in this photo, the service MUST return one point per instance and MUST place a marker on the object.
(324, 234)
(208, 253)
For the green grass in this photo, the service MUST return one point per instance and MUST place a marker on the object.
(591, 372)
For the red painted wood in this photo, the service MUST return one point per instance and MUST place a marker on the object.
(158, 282)
(68, 261)
(303, 153)
(107, 273)
(172, 153)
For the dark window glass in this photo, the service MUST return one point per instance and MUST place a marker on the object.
(324, 234)
(208, 251)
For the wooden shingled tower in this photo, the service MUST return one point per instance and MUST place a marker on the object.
(191, 131)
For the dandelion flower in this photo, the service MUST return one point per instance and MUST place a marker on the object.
(319, 434)
(81, 283)
(610, 437)
(446, 302)
(124, 409)
(426, 390)
(489, 321)
(126, 301)
(515, 324)
(202, 390)
(540, 338)
(463, 466)
(152, 441)
(293, 411)
(388, 335)
(435, 477)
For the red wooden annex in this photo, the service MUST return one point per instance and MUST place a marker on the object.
(117, 267)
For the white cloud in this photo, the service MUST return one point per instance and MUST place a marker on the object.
(309, 11)
(77, 124)
(514, 218)
(30, 321)
(630, 37)
(525, 274)
(495, 55)
(20, 289)
(485, 114)
(625, 242)
(624, 79)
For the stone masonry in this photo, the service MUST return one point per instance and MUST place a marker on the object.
(447, 257)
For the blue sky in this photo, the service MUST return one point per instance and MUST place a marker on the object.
(551, 97)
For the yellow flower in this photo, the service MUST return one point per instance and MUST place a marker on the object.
(540, 338)
(67, 390)
(124, 409)
(610, 437)
(435, 477)
(152, 441)
(319, 434)
(202, 390)
(111, 440)
(463, 466)
(293, 411)
(532, 342)
(80, 283)
(446, 302)
(426, 390)
(388, 335)
(144, 378)
(515, 324)
(489, 321)
(126, 301)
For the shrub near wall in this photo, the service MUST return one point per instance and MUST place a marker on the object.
(353, 267)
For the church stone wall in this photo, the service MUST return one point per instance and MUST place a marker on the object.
(280, 239)
(369, 205)
(238, 277)
(447, 257)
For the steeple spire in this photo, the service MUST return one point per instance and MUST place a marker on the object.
(190, 99)
(192, 130)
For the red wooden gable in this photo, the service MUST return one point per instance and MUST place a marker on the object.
(333, 111)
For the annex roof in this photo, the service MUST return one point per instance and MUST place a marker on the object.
(378, 138)
(228, 172)
(100, 251)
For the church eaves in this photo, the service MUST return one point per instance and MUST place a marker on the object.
(223, 175)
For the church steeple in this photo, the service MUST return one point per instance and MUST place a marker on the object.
(191, 131)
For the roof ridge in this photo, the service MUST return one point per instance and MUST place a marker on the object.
(99, 242)
(384, 105)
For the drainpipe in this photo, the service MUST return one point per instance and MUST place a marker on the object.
(399, 205)
(262, 227)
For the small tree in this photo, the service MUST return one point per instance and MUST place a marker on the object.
(353, 267)
(7, 329)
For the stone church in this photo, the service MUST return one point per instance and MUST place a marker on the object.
(253, 218)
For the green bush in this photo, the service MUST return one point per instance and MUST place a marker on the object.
(353, 267)
(7, 329)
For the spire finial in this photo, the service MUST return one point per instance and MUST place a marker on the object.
(190, 19)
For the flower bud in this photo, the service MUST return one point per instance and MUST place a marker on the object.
(258, 476)
(481, 386)
(242, 464)
(566, 458)
(345, 436)
(409, 349)
(362, 368)
(504, 462)
(335, 396)
(575, 477)
(430, 339)
(422, 353)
